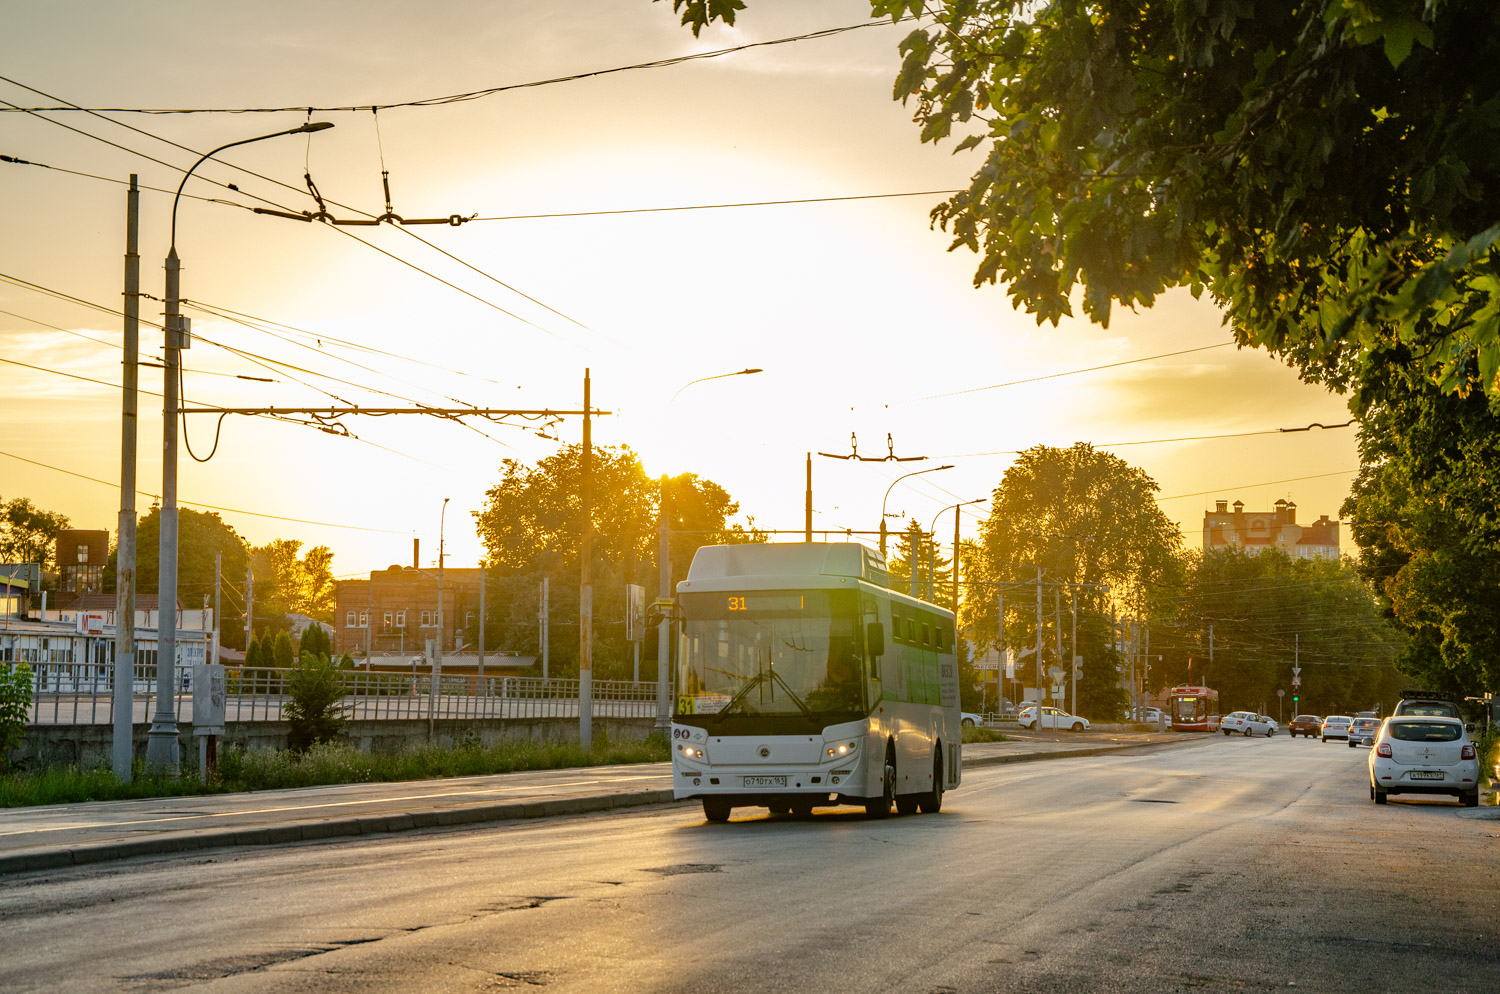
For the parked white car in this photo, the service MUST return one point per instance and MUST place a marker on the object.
(1247, 723)
(1424, 754)
(1052, 718)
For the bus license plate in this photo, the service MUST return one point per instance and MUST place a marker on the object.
(1426, 774)
(765, 781)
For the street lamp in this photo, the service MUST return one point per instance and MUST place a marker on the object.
(705, 379)
(664, 580)
(932, 530)
(437, 655)
(161, 741)
(888, 490)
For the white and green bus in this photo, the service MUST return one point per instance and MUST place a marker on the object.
(804, 680)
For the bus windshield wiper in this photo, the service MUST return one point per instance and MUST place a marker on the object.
(776, 678)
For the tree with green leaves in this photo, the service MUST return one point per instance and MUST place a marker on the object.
(1326, 170)
(15, 707)
(1265, 612)
(201, 535)
(288, 581)
(531, 528)
(282, 653)
(1087, 520)
(28, 534)
(1426, 513)
(316, 641)
(316, 711)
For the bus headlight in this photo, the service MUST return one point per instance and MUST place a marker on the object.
(689, 752)
(839, 749)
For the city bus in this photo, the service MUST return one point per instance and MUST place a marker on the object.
(1194, 709)
(803, 680)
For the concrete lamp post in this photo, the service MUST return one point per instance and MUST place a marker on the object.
(161, 742)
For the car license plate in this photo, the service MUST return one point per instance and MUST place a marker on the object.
(1426, 774)
(765, 781)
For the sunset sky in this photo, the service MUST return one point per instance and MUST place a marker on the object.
(860, 318)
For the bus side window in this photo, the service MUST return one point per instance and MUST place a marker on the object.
(869, 609)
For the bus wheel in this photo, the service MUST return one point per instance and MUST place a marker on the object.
(716, 809)
(932, 801)
(880, 807)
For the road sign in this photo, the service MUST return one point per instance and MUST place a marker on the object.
(1296, 681)
(1296, 671)
(1280, 693)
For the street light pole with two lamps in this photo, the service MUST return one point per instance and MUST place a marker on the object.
(888, 490)
(161, 741)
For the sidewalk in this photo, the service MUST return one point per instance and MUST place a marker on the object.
(72, 834)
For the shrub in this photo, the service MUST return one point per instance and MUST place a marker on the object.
(15, 706)
(316, 710)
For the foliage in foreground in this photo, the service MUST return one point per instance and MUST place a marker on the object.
(316, 712)
(15, 706)
(264, 769)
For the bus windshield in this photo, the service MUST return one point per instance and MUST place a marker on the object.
(1186, 708)
(778, 653)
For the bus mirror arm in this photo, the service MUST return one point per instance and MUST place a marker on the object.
(875, 638)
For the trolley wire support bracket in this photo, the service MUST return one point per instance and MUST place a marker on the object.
(890, 456)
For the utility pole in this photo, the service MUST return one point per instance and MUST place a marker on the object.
(1057, 622)
(808, 509)
(586, 587)
(482, 571)
(123, 718)
(162, 749)
(956, 512)
(664, 596)
(218, 574)
(250, 610)
(1038, 703)
(437, 654)
(545, 627)
(1000, 673)
(1146, 666)
(1073, 644)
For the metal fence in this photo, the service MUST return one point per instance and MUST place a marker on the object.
(82, 694)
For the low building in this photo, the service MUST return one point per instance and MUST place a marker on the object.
(1255, 531)
(104, 608)
(395, 612)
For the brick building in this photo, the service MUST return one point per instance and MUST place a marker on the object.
(395, 611)
(1254, 531)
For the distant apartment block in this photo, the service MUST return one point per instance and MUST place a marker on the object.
(1254, 531)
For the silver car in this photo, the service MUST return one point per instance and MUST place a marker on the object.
(1363, 731)
(1424, 754)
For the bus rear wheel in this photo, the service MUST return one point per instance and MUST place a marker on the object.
(932, 802)
(716, 809)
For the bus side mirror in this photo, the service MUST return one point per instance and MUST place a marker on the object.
(875, 638)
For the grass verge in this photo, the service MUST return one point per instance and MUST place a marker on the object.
(978, 733)
(265, 769)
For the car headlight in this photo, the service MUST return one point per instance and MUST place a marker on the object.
(840, 749)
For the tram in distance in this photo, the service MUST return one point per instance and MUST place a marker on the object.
(1194, 709)
(804, 680)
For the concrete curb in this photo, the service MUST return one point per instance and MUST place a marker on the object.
(324, 829)
(332, 828)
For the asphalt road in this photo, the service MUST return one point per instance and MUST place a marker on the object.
(1227, 865)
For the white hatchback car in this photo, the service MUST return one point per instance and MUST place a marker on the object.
(1424, 754)
(1247, 723)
